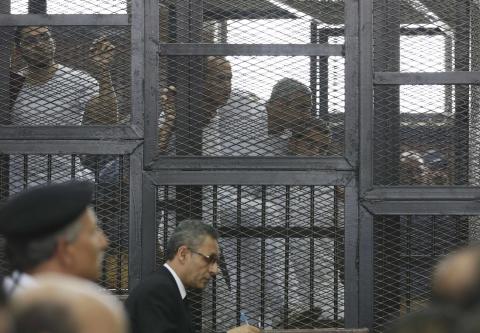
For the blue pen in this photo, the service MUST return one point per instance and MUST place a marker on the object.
(243, 317)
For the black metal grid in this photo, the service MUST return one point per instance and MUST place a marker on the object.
(248, 21)
(282, 247)
(78, 81)
(445, 33)
(406, 248)
(70, 7)
(219, 116)
(430, 139)
(109, 173)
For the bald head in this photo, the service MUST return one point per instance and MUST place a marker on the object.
(218, 81)
(67, 305)
(456, 278)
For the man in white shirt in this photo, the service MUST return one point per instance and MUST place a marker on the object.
(55, 95)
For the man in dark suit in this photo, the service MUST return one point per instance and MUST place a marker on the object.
(158, 304)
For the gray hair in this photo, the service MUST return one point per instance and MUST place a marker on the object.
(191, 233)
(44, 316)
(286, 87)
(26, 255)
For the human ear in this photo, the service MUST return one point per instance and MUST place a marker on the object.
(182, 253)
(63, 252)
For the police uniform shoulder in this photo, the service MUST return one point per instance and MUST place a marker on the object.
(44, 209)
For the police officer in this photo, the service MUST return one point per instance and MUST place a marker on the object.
(51, 229)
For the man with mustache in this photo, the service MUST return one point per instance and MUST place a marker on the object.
(51, 229)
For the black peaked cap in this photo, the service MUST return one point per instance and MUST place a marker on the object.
(44, 209)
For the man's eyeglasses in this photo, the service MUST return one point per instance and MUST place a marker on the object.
(211, 259)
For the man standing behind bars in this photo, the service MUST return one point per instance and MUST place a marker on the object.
(160, 303)
(54, 95)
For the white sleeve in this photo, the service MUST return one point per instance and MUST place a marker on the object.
(88, 88)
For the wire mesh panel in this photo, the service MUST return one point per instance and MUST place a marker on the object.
(252, 106)
(441, 29)
(282, 252)
(251, 21)
(431, 141)
(406, 248)
(69, 7)
(110, 173)
(65, 75)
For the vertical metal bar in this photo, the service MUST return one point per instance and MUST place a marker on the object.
(287, 252)
(408, 265)
(239, 256)
(352, 80)
(336, 262)
(166, 217)
(135, 218)
(144, 68)
(6, 102)
(182, 135)
(121, 223)
(314, 70)
(366, 97)
(197, 70)
(49, 168)
(37, 6)
(351, 259)
(448, 67)
(73, 166)
(214, 283)
(365, 295)
(145, 72)
(25, 171)
(474, 158)
(263, 258)
(323, 77)
(148, 228)
(223, 32)
(386, 34)
(311, 280)
(5, 7)
(462, 92)
(366, 272)
(386, 140)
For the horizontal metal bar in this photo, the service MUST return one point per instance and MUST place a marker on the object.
(251, 163)
(426, 78)
(277, 232)
(68, 133)
(178, 49)
(68, 147)
(422, 207)
(424, 193)
(7, 20)
(223, 177)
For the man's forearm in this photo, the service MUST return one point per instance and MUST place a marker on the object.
(103, 108)
(164, 134)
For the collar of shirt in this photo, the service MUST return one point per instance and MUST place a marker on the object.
(179, 282)
(18, 282)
